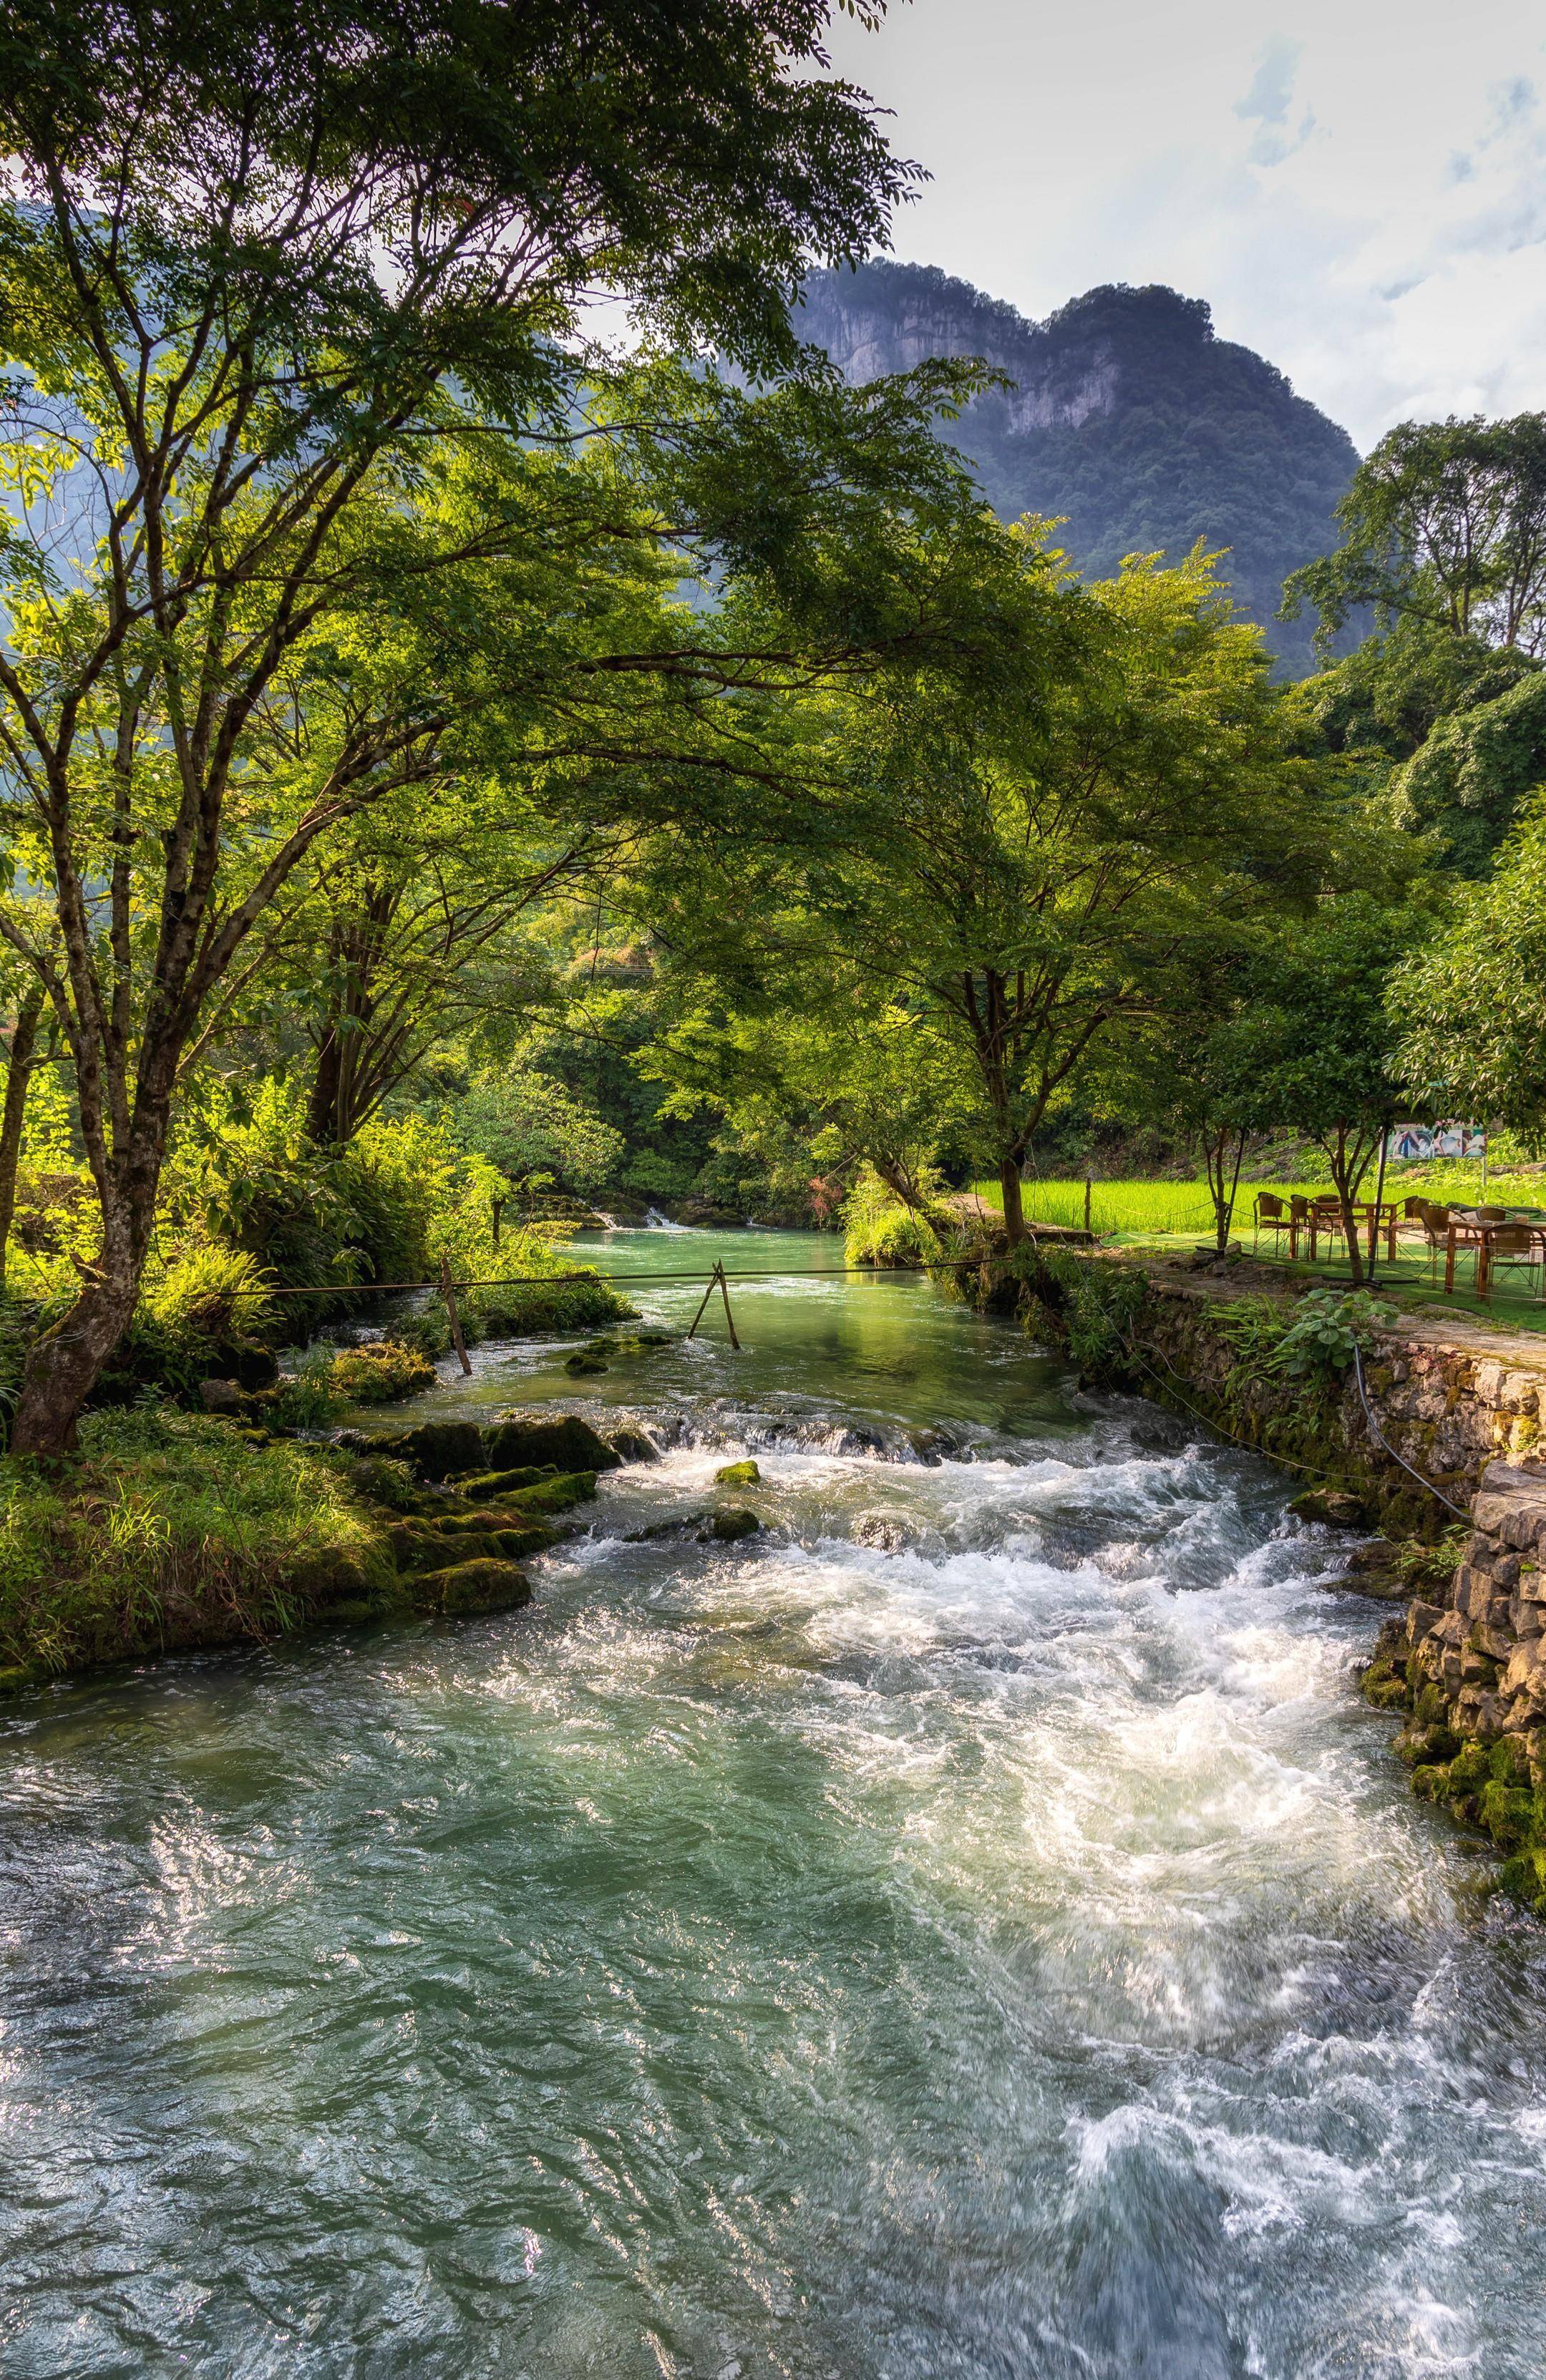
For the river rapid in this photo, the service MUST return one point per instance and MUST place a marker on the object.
(971, 1931)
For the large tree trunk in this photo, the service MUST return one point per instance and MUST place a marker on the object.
(65, 1364)
(14, 1114)
(1014, 1205)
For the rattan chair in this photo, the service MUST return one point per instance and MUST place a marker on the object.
(1512, 1247)
(1272, 1215)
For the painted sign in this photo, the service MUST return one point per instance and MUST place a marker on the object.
(1410, 1140)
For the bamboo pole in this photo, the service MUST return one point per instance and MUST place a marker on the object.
(729, 1318)
(448, 1292)
(704, 1308)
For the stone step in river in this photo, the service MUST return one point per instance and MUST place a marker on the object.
(971, 1928)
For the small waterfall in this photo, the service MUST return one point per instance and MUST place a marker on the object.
(655, 1221)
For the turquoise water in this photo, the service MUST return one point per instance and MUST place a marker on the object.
(972, 1929)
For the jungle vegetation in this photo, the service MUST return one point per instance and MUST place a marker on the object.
(455, 771)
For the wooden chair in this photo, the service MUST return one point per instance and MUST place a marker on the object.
(1491, 1214)
(1300, 1219)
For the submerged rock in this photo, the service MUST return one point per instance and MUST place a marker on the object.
(581, 1364)
(886, 1531)
(1336, 1508)
(482, 1585)
(632, 1446)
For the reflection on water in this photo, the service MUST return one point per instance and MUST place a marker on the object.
(971, 1929)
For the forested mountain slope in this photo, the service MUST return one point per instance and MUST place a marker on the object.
(1127, 416)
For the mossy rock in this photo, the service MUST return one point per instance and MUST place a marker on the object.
(1523, 1877)
(1335, 1508)
(388, 1483)
(484, 1585)
(15, 1679)
(1431, 1784)
(582, 1366)
(1385, 1693)
(553, 1495)
(488, 1487)
(1512, 1815)
(437, 1450)
(729, 1526)
(632, 1446)
(1424, 1746)
(567, 1445)
(737, 1474)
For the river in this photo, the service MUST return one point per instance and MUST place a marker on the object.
(971, 1931)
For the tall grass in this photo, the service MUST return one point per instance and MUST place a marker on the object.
(1147, 1208)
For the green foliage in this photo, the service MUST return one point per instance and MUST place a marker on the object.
(1098, 1304)
(211, 1296)
(172, 1528)
(1326, 1329)
(1471, 779)
(881, 1229)
(1470, 1008)
(310, 1397)
(381, 1372)
(535, 1131)
(1312, 1340)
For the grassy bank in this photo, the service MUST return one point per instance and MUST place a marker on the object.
(170, 1528)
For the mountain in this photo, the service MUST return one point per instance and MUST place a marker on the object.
(1127, 415)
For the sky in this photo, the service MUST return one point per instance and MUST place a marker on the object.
(1357, 186)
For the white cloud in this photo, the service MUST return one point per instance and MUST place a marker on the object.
(1358, 187)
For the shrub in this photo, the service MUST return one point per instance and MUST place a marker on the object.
(880, 1229)
(1325, 1331)
(379, 1374)
(307, 1398)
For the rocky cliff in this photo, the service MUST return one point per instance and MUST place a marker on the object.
(1127, 415)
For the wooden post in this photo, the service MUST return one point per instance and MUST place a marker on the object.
(724, 1292)
(449, 1294)
(1087, 1202)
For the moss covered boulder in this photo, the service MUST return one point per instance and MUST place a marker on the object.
(486, 1583)
(567, 1443)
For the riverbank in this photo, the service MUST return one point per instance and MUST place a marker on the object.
(1434, 1440)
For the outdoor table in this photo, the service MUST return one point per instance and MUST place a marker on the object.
(1479, 1236)
(1377, 1215)
(1485, 1239)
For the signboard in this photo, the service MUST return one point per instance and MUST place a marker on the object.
(1417, 1140)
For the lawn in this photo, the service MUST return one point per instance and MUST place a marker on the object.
(1170, 1216)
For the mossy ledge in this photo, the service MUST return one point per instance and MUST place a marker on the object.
(171, 1532)
(1465, 1663)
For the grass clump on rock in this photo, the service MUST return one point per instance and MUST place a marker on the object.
(175, 1529)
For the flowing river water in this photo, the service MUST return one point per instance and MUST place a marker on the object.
(971, 1931)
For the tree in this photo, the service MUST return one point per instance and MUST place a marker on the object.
(268, 276)
(1444, 523)
(1317, 1042)
(533, 1129)
(1043, 878)
(1468, 1008)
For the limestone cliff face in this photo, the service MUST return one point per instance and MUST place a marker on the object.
(1127, 416)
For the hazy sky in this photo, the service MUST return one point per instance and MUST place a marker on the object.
(1357, 186)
